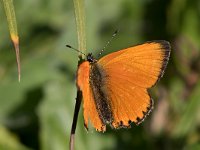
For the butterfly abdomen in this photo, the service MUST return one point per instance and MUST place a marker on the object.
(97, 85)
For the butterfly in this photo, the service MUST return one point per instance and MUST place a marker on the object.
(115, 87)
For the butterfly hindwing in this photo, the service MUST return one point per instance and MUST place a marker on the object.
(129, 103)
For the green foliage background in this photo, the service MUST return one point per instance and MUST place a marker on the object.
(37, 113)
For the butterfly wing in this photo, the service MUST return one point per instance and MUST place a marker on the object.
(130, 72)
(129, 103)
(89, 107)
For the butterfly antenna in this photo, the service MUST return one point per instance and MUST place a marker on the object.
(75, 49)
(114, 34)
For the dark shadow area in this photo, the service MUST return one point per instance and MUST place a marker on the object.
(155, 18)
(24, 122)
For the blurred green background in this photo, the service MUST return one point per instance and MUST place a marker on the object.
(36, 114)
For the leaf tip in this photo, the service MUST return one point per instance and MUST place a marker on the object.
(15, 40)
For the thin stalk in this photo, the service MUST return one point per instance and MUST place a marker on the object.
(80, 24)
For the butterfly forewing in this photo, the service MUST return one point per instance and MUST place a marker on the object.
(142, 65)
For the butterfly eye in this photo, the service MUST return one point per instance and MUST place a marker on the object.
(90, 58)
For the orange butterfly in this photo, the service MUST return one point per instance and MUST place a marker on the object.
(115, 87)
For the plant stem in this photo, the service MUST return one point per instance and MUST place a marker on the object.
(80, 24)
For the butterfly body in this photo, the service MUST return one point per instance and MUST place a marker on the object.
(114, 88)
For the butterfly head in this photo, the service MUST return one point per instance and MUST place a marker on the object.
(91, 58)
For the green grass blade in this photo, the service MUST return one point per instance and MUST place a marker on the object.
(12, 24)
(80, 24)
